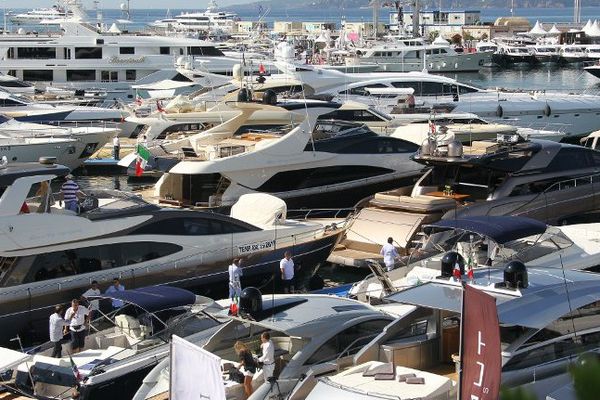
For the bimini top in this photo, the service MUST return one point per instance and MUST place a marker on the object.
(501, 229)
(549, 296)
(152, 298)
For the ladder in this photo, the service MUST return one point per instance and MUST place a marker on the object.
(387, 286)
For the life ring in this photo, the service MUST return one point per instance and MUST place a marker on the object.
(499, 111)
(547, 110)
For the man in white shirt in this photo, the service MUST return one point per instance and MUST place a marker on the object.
(235, 279)
(77, 316)
(116, 287)
(116, 147)
(94, 305)
(57, 326)
(268, 355)
(286, 267)
(390, 254)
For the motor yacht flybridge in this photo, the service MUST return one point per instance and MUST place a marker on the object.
(314, 164)
(84, 56)
(548, 181)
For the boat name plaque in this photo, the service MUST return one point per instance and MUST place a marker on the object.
(252, 247)
(117, 60)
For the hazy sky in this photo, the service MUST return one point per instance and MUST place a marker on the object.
(193, 4)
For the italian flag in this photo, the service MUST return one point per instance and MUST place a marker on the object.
(143, 155)
(75, 370)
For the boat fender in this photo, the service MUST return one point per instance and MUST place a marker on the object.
(499, 111)
(47, 160)
(244, 95)
(547, 110)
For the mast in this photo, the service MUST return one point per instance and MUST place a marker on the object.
(416, 19)
(577, 12)
(376, 5)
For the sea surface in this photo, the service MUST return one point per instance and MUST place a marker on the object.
(141, 17)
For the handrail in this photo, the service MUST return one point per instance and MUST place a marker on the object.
(126, 271)
(550, 188)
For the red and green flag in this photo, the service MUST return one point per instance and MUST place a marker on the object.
(75, 370)
(143, 155)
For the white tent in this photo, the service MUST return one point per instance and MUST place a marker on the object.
(554, 30)
(537, 30)
(439, 40)
(114, 29)
(587, 25)
(594, 31)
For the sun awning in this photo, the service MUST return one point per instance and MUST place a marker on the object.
(152, 298)
(501, 229)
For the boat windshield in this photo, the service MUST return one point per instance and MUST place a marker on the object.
(483, 250)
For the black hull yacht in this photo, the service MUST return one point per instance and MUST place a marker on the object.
(49, 257)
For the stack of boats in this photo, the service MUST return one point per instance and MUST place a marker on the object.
(474, 186)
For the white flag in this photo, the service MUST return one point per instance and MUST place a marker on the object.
(195, 373)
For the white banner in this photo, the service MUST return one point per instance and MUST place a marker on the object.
(195, 373)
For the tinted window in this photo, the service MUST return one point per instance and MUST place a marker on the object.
(17, 83)
(88, 259)
(570, 158)
(204, 51)
(348, 342)
(165, 50)
(10, 103)
(36, 52)
(313, 177)
(88, 52)
(189, 227)
(351, 115)
(130, 74)
(126, 50)
(361, 90)
(33, 75)
(81, 75)
(380, 145)
(544, 354)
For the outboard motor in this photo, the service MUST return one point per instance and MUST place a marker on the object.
(515, 275)
(449, 261)
(269, 97)
(250, 301)
(244, 95)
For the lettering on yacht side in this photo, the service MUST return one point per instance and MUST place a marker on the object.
(252, 247)
(4, 148)
(133, 60)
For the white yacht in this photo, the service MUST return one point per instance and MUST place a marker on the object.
(83, 56)
(210, 20)
(320, 164)
(546, 53)
(50, 254)
(38, 15)
(574, 53)
(413, 54)
(516, 51)
(14, 85)
(23, 109)
(308, 331)
(121, 344)
(70, 145)
(574, 114)
(547, 316)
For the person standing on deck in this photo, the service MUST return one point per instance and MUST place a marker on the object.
(390, 254)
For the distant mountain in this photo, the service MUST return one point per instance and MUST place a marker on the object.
(347, 4)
